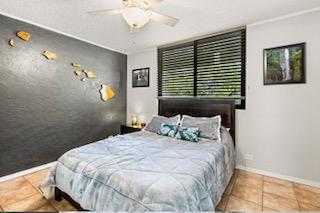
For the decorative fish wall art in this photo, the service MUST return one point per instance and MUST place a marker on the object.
(24, 35)
(12, 43)
(76, 65)
(49, 55)
(77, 73)
(106, 91)
(89, 73)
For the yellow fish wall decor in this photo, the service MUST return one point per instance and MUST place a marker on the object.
(12, 43)
(89, 73)
(49, 55)
(77, 73)
(106, 93)
(76, 65)
(24, 35)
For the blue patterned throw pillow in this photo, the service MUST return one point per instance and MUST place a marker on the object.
(168, 130)
(188, 134)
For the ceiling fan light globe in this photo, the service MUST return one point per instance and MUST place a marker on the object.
(136, 17)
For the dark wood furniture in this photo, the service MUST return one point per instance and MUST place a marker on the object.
(58, 195)
(124, 129)
(203, 107)
(184, 106)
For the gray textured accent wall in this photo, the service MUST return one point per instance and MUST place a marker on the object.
(44, 109)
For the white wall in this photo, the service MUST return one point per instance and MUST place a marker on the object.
(142, 101)
(280, 125)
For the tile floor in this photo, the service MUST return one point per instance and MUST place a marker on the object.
(252, 192)
(23, 194)
(246, 192)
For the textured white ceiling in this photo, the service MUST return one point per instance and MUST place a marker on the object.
(197, 17)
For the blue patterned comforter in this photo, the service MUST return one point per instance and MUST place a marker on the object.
(144, 171)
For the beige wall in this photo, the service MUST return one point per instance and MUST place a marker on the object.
(280, 125)
(142, 101)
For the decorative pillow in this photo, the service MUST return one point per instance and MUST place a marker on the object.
(188, 134)
(156, 121)
(209, 127)
(168, 130)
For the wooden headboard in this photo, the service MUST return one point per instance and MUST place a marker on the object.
(200, 108)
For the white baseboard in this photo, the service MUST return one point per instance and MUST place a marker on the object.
(28, 171)
(280, 176)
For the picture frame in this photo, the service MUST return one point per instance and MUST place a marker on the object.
(285, 65)
(141, 77)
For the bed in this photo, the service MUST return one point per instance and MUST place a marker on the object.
(144, 171)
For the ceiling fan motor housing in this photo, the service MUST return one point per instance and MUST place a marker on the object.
(136, 13)
(142, 4)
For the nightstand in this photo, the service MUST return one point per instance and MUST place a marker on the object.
(124, 129)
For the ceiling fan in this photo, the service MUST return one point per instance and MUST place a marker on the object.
(137, 13)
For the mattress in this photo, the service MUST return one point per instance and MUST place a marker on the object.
(143, 171)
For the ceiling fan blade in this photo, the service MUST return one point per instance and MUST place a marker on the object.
(152, 2)
(105, 12)
(170, 21)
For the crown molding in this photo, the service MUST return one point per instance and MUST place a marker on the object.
(291, 15)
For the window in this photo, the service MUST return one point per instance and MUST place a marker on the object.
(177, 71)
(212, 67)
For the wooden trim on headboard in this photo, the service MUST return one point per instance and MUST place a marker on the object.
(201, 108)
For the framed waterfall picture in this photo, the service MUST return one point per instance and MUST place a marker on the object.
(140, 77)
(285, 65)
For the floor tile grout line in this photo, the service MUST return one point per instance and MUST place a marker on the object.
(310, 204)
(53, 205)
(243, 198)
(295, 194)
(235, 173)
(251, 187)
(246, 187)
(281, 197)
(262, 191)
(236, 177)
(30, 183)
(41, 194)
(295, 197)
(19, 200)
(283, 185)
(224, 209)
(276, 195)
(308, 190)
(263, 194)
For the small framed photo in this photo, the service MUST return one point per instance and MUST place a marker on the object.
(140, 77)
(285, 65)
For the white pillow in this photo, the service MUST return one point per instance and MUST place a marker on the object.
(155, 124)
(209, 127)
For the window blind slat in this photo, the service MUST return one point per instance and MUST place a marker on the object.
(220, 66)
(210, 67)
(177, 70)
